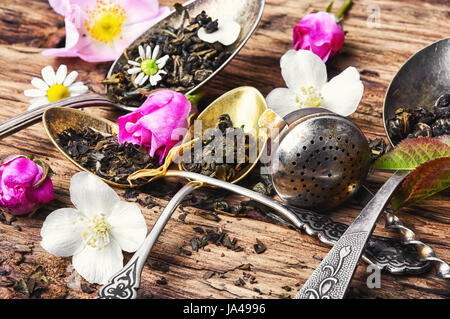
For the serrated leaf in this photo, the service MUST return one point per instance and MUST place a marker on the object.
(413, 152)
(444, 139)
(425, 181)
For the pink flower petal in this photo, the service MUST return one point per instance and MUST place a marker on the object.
(319, 33)
(140, 15)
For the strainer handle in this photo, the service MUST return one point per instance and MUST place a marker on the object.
(331, 278)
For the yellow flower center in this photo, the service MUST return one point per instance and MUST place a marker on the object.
(311, 97)
(149, 67)
(57, 92)
(104, 22)
(95, 231)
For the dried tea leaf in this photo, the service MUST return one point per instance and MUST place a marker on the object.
(39, 274)
(259, 247)
(411, 153)
(425, 181)
(22, 287)
(208, 274)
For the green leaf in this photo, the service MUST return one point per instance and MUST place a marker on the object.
(425, 181)
(330, 7)
(413, 152)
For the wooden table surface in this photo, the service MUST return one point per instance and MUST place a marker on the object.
(377, 52)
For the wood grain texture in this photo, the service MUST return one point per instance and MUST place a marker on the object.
(405, 27)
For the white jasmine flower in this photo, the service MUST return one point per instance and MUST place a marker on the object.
(227, 33)
(96, 231)
(305, 75)
(54, 86)
(147, 66)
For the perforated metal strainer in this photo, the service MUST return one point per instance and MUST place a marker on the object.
(320, 159)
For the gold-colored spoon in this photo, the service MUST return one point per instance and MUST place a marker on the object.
(244, 105)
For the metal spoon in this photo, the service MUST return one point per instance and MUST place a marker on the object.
(246, 12)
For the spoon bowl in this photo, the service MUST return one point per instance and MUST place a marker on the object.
(244, 105)
(420, 81)
(246, 12)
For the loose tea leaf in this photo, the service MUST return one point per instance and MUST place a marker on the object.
(411, 153)
(259, 247)
(191, 60)
(103, 155)
(420, 122)
(221, 158)
(425, 181)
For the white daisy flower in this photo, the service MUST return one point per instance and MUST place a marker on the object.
(305, 75)
(147, 66)
(227, 33)
(54, 86)
(96, 231)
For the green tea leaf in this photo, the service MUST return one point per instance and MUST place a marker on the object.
(413, 152)
(425, 181)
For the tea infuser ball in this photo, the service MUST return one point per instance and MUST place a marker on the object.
(319, 159)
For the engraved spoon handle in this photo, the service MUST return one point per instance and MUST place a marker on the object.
(331, 278)
(125, 283)
(24, 119)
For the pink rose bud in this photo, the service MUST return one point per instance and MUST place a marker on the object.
(24, 185)
(320, 33)
(159, 124)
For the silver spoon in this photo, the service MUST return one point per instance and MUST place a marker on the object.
(246, 12)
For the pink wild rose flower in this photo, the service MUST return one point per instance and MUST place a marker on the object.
(22, 187)
(159, 124)
(100, 30)
(320, 33)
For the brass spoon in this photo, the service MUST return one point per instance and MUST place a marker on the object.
(246, 12)
(244, 105)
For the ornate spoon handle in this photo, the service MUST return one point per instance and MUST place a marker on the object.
(125, 283)
(426, 252)
(331, 278)
(22, 120)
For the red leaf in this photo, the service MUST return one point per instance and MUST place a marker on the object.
(425, 181)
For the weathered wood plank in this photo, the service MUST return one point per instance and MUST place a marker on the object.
(406, 26)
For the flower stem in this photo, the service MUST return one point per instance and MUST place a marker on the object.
(344, 8)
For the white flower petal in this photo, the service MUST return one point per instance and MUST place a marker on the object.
(70, 78)
(162, 61)
(155, 52)
(97, 266)
(302, 69)
(139, 78)
(91, 196)
(141, 52)
(77, 89)
(282, 101)
(227, 33)
(37, 102)
(40, 84)
(144, 79)
(134, 63)
(148, 52)
(128, 226)
(134, 70)
(34, 93)
(155, 79)
(344, 92)
(59, 237)
(49, 76)
(61, 74)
